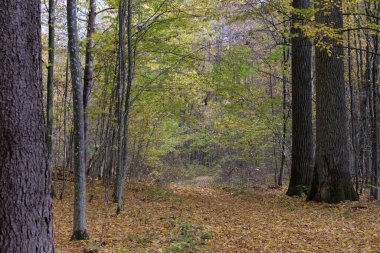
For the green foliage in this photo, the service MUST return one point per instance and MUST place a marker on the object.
(237, 191)
(148, 238)
(159, 193)
(198, 104)
(187, 239)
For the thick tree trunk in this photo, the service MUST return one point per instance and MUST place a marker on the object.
(25, 203)
(88, 71)
(80, 228)
(332, 179)
(302, 129)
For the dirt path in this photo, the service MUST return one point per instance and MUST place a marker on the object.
(203, 181)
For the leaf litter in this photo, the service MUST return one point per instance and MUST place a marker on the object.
(186, 218)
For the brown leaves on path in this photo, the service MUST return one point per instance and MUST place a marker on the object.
(193, 219)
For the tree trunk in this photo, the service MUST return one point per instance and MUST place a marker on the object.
(127, 106)
(80, 228)
(25, 203)
(88, 71)
(302, 128)
(375, 62)
(121, 90)
(50, 81)
(332, 179)
(65, 160)
(353, 119)
(285, 110)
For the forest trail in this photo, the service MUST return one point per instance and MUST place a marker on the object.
(202, 181)
(188, 218)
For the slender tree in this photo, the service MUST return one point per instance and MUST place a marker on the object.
(375, 63)
(352, 110)
(80, 228)
(88, 70)
(302, 130)
(285, 116)
(50, 81)
(332, 179)
(65, 160)
(126, 106)
(120, 102)
(25, 203)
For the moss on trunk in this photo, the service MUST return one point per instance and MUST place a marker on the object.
(80, 235)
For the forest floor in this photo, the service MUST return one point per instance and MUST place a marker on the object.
(191, 218)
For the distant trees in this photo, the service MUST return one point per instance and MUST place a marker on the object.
(332, 179)
(80, 227)
(302, 124)
(204, 95)
(25, 203)
(127, 103)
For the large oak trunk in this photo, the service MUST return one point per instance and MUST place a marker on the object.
(332, 179)
(302, 125)
(25, 204)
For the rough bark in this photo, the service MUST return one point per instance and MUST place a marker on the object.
(88, 71)
(302, 125)
(79, 226)
(332, 179)
(26, 224)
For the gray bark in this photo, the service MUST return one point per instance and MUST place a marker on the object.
(332, 179)
(127, 107)
(375, 62)
(353, 113)
(50, 81)
(121, 90)
(26, 224)
(79, 226)
(285, 110)
(302, 125)
(65, 160)
(88, 71)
